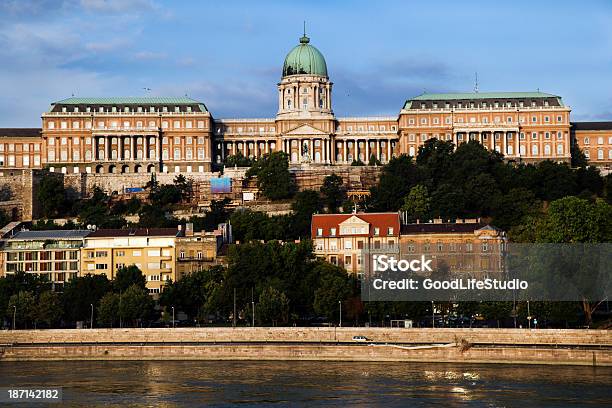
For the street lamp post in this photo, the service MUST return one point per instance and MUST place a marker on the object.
(433, 315)
(173, 317)
(528, 315)
(91, 322)
(340, 303)
(253, 304)
(14, 314)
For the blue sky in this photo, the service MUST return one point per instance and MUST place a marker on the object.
(229, 54)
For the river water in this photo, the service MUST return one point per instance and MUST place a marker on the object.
(245, 383)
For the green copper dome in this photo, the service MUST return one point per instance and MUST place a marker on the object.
(304, 59)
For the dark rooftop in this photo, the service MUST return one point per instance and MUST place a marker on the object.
(50, 234)
(592, 125)
(443, 228)
(20, 132)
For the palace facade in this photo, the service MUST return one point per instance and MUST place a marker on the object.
(180, 135)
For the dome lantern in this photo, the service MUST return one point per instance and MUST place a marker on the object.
(304, 59)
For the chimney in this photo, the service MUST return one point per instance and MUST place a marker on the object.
(189, 229)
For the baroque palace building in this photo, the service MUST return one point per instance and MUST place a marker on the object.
(180, 135)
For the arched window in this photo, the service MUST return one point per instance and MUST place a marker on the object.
(547, 150)
(534, 150)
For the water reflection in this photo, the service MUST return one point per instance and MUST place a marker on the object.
(181, 383)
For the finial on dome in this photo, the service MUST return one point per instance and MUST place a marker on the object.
(304, 39)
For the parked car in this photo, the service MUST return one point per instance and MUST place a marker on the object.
(361, 339)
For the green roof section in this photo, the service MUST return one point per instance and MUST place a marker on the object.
(304, 59)
(480, 96)
(132, 100)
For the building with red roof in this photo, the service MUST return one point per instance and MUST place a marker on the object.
(340, 238)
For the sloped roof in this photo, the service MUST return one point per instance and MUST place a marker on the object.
(474, 96)
(131, 100)
(383, 221)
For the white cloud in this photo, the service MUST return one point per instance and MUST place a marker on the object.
(150, 55)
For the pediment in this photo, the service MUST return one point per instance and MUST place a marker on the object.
(306, 130)
(353, 220)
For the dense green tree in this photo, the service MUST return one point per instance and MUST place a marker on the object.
(571, 220)
(306, 203)
(218, 213)
(589, 179)
(334, 288)
(49, 308)
(184, 186)
(608, 188)
(133, 205)
(23, 304)
(396, 180)
(155, 216)
(273, 306)
(273, 177)
(579, 159)
(80, 293)
(497, 311)
(128, 276)
(4, 218)
(480, 194)
(333, 191)
(192, 292)
(417, 204)
(135, 305)
(166, 195)
(108, 310)
(575, 220)
(96, 210)
(512, 208)
(238, 160)
(51, 196)
(435, 160)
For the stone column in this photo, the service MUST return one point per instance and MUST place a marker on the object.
(107, 146)
(299, 150)
(158, 143)
(355, 149)
(504, 143)
(388, 150)
(344, 152)
(281, 93)
(367, 149)
(134, 144)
